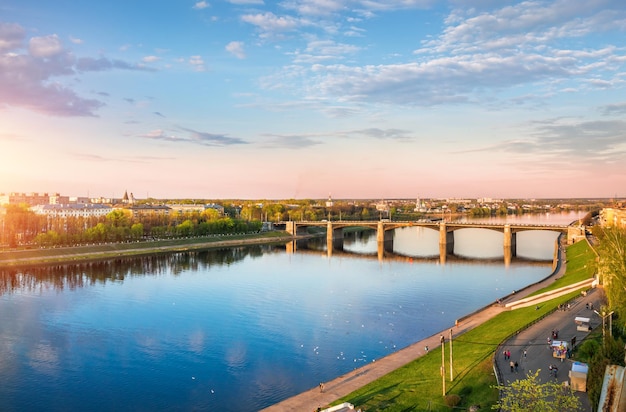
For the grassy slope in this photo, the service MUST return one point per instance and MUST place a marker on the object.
(417, 386)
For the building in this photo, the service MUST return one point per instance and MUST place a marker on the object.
(32, 199)
(215, 206)
(129, 200)
(610, 217)
(72, 210)
(148, 210)
(187, 208)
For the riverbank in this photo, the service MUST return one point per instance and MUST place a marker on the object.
(86, 253)
(394, 382)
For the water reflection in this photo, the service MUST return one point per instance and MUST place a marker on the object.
(80, 275)
(470, 243)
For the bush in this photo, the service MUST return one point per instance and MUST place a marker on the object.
(452, 400)
(587, 349)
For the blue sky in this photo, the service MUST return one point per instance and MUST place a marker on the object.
(302, 98)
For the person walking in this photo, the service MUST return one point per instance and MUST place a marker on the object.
(512, 364)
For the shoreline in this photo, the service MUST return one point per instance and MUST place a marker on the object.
(345, 384)
(81, 254)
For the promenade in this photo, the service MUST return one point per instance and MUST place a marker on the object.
(343, 385)
(534, 340)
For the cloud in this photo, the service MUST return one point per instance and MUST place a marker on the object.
(323, 50)
(90, 157)
(11, 36)
(385, 134)
(197, 63)
(159, 134)
(291, 142)
(313, 139)
(201, 5)
(158, 114)
(211, 139)
(31, 73)
(590, 142)
(246, 2)
(270, 25)
(45, 46)
(236, 49)
(437, 81)
(614, 109)
(589, 139)
(87, 64)
(150, 59)
(532, 44)
(75, 40)
(194, 137)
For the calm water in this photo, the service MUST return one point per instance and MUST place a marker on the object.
(232, 330)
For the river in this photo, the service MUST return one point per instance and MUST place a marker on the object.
(242, 328)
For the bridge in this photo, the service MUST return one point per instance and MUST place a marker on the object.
(384, 232)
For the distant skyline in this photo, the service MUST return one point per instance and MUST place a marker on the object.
(252, 99)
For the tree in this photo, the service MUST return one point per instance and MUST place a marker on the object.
(612, 269)
(136, 231)
(530, 395)
(186, 228)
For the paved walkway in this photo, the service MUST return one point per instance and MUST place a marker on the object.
(534, 340)
(343, 385)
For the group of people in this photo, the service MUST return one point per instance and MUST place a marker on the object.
(513, 364)
(553, 370)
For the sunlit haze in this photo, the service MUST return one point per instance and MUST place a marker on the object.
(224, 99)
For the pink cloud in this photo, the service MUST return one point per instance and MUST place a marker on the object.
(31, 74)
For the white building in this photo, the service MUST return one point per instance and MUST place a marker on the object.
(72, 210)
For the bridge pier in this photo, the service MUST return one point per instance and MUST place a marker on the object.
(510, 244)
(446, 242)
(384, 240)
(334, 237)
(331, 233)
(290, 227)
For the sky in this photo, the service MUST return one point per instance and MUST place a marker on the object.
(259, 99)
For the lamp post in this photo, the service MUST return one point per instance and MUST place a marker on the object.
(443, 364)
(451, 373)
(604, 315)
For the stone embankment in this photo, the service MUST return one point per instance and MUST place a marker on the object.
(38, 257)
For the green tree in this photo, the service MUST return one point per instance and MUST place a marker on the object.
(186, 228)
(211, 214)
(530, 395)
(612, 269)
(610, 352)
(136, 231)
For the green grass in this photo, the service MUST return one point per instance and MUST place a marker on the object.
(417, 386)
(581, 265)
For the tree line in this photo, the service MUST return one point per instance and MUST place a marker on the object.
(21, 226)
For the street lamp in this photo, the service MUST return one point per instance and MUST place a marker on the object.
(604, 315)
(443, 364)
